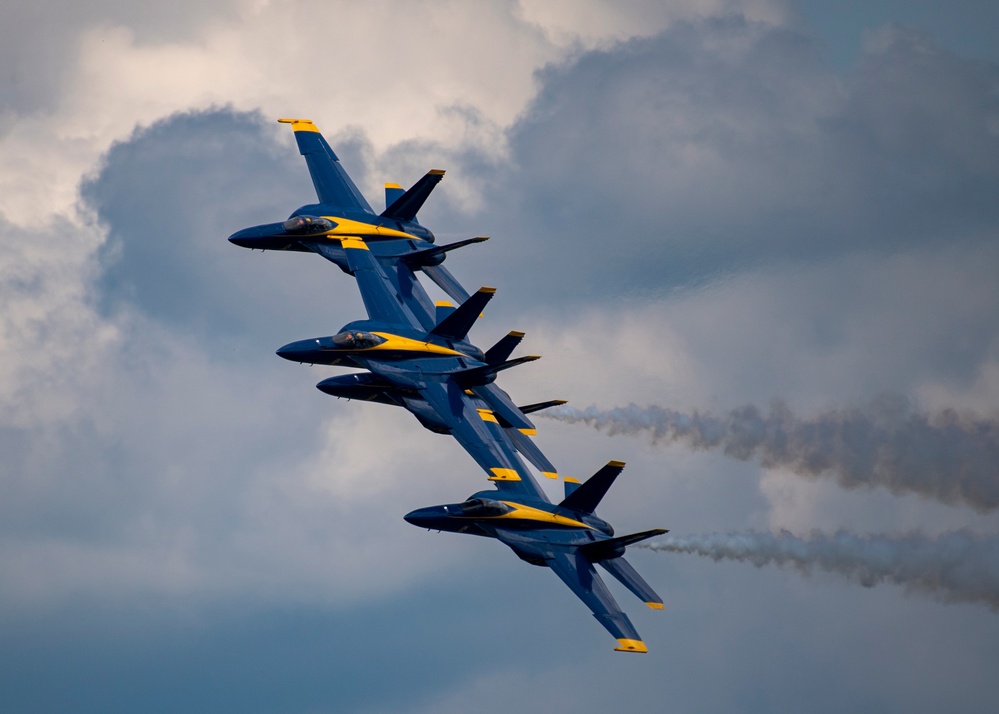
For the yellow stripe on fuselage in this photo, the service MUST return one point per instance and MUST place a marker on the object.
(396, 343)
(347, 227)
(521, 512)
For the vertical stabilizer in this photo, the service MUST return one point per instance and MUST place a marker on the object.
(585, 498)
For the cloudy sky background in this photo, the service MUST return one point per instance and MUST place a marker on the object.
(695, 205)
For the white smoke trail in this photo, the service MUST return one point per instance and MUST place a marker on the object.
(956, 567)
(947, 456)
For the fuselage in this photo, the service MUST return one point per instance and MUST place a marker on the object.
(324, 223)
(484, 512)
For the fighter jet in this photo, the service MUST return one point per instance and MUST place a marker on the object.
(568, 538)
(395, 236)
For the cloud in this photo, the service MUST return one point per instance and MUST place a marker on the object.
(717, 145)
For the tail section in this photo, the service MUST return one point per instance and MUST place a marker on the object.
(393, 192)
(531, 408)
(456, 325)
(614, 547)
(406, 206)
(477, 376)
(333, 185)
(586, 498)
(501, 351)
(629, 577)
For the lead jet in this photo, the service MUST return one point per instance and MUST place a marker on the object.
(567, 537)
(415, 352)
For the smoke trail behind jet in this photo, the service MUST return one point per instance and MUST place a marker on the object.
(947, 456)
(956, 567)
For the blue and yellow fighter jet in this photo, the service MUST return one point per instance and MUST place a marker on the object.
(417, 356)
(568, 538)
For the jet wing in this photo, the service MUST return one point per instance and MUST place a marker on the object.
(333, 186)
(388, 297)
(481, 435)
(578, 573)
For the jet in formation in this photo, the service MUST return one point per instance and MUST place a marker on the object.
(415, 354)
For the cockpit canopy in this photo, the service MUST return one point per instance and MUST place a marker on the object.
(308, 225)
(483, 508)
(356, 340)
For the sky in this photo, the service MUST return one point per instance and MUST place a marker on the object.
(755, 242)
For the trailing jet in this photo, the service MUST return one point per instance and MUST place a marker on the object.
(568, 538)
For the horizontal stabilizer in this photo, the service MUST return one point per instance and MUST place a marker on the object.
(446, 282)
(501, 351)
(487, 373)
(456, 325)
(614, 547)
(506, 411)
(408, 204)
(333, 185)
(435, 255)
(585, 498)
(531, 408)
(629, 577)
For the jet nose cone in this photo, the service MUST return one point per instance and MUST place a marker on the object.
(415, 517)
(424, 517)
(299, 351)
(258, 236)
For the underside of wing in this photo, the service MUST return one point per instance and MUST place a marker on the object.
(578, 573)
(382, 291)
(478, 432)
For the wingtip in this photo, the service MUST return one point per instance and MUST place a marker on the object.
(625, 645)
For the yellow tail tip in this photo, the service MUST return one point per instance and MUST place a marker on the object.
(631, 646)
(656, 605)
(299, 124)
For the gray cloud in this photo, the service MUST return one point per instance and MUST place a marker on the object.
(954, 567)
(39, 40)
(718, 145)
(947, 456)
